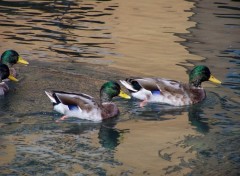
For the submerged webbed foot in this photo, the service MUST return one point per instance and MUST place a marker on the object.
(143, 103)
(62, 118)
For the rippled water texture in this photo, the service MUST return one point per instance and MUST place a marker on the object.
(78, 45)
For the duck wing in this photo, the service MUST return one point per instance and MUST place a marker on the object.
(184, 93)
(81, 100)
(155, 85)
(171, 86)
(136, 84)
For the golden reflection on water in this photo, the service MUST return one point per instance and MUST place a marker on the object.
(153, 147)
(7, 151)
(149, 141)
(136, 36)
(59, 31)
(145, 37)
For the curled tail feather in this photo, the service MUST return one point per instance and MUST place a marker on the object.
(50, 96)
(128, 86)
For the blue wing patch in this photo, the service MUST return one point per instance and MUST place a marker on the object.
(72, 107)
(156, 92)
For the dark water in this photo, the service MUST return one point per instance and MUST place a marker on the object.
(218, 151)
(59, 37)
(214, 39)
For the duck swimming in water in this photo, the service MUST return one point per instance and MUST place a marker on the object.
(11, 57)
(5, 74)
(86, 107)
(170, 91)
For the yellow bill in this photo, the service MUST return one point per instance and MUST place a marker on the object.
(214, 80)
(124, 95)
(22, 61)
(12, 78)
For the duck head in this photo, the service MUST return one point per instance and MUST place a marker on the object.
(200, 74)
(11, 57)
(111, 89)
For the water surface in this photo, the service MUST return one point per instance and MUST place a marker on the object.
(78, 45)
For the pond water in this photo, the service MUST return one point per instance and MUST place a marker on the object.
(78, 45)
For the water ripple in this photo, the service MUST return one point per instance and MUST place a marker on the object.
(65, 25)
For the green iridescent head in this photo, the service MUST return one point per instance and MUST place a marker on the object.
(11, 57)
(200, 74)
(111, 89)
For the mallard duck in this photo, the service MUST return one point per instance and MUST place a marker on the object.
(4, 74)
(83, 106)
(170, 91)
(11, 57)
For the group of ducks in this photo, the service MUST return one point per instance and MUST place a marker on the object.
(83, 106)
(160, 90)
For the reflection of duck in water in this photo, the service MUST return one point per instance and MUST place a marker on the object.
(109, 137)
(11, 57)
(194, 116)
(170, 91)
(4, 74)
(84, 106)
